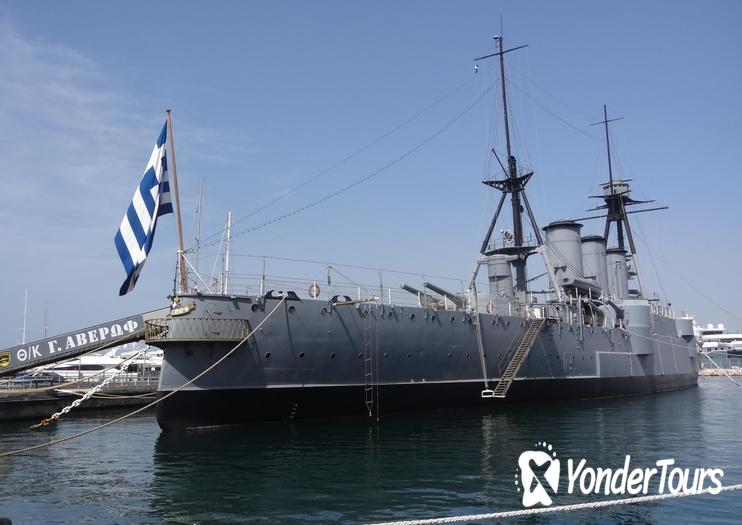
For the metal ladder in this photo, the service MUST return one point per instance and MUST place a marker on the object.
(501, 390)
(370, 349)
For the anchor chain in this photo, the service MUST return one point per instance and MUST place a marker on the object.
(77, 402)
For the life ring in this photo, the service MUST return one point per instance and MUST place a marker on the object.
(314, 290)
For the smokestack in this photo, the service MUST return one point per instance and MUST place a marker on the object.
(618, 273)
(594, 260)
(565, 253)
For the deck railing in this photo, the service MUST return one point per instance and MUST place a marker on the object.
(195, 329)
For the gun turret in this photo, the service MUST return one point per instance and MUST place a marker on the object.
(425, 299)
(454, 298)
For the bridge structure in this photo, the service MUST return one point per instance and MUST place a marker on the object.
(76, 343)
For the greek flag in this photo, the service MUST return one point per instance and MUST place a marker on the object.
(151, 199)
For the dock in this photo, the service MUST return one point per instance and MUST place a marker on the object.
(717, 372)
(37, 401)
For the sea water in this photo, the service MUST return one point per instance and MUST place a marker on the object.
(407, 466)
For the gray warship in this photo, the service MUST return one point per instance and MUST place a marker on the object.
(595, 331)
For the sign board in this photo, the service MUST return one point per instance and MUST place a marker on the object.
(72, 344)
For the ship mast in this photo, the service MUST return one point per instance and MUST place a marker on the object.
(182, 268)
(616, 211)
(514, 185)
(616, 195)
(512, 164)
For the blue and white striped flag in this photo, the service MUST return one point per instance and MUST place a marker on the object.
(151, 199)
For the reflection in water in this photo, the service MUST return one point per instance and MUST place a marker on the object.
(413, 465)
(355, 471)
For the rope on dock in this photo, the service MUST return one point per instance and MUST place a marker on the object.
(105, 395)
(560, 508)
(150, 405)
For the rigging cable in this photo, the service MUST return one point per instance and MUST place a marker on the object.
(335, 264)
(651, 260)
(686, 281)
(529, 78)
(367, 177)
(550, 112)
(351, 155)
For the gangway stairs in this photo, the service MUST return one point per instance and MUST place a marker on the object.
(501, 390)
(72, 344)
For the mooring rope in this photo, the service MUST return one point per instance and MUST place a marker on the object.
(560, 508)
(150, 405)
(700, 351)
(97, 388)
(719, 367)
(104, 395)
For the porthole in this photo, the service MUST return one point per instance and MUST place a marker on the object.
(386, 354)
(267, 355)
(409, 355)
(254, 308)
(468, 356)
(453, 319)
(412, 317)
(292, 309)
(433, 317)
(360, 355)
(332, 355)
(450, 355)
(301, 355)
(323, 311)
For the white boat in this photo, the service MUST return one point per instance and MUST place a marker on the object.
(84, 366)
(716, 339)
(147, 364)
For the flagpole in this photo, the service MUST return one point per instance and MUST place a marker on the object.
(181, 251)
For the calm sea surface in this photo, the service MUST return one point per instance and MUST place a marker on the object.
(354, 471)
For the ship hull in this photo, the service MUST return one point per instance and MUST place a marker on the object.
(214, 408)
(310, 359)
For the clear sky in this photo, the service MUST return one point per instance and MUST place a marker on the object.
(266, 95)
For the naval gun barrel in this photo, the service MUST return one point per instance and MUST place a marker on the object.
(411, 289)
(455, 299)
(425, 298)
